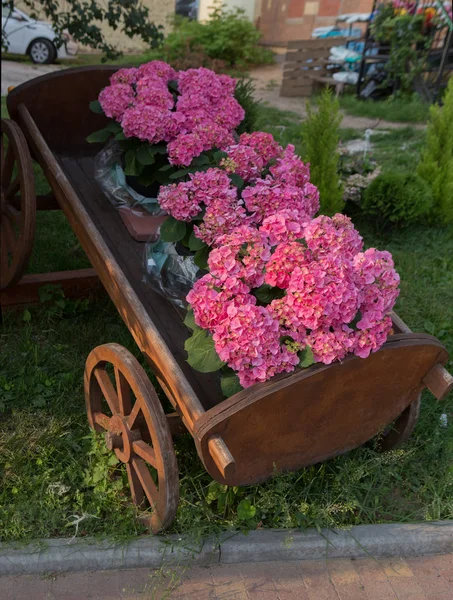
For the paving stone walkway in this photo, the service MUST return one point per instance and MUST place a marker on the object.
(423, 578)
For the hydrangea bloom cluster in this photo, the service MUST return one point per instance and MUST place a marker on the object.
(201, 115)
(286, 193)
(324, 293)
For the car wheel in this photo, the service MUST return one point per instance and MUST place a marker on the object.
(42, 51)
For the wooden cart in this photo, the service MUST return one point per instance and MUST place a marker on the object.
(293, 421)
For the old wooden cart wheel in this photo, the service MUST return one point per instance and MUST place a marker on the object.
(124, 404)
(17, 204)
(401, 429)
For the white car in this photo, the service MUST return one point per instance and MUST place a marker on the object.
(23, 35)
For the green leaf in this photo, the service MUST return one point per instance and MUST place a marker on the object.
(201, 354)
(158, 148)
(266, 293)
(172, 230)
(246, 510)
(306, 357)
(114, 127)
(120, 136)
(357, 318)
(195, 243)
(26, 316)
(219, 155)
(189, 321)
(229, 382)
(201, 257)
(200, 161)
(132, 166)
(173, 85)
(99, 136)
(166, 168)
(96, 107)
(145, 156)
(179, 173)
(236, 180)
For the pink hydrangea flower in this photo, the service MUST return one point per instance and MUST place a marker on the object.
(241, 254)
(116, 99)
(147, 123)
(378, 282)
(128, 76)
(291, 170)
(331, 344)
(157, 69)
(184, 148)
(179, 201)
(370, 340)
(329, 235)
(283, 227)
(249, 342)
(268, 197)
(287, 256)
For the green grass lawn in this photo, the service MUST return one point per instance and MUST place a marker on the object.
(404, 110)
(52, 467)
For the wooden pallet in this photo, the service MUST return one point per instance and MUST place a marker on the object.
(306, 66)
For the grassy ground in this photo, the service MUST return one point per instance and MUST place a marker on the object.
(412, 110)
(52, 470)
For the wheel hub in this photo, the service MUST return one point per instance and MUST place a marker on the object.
(120, 437)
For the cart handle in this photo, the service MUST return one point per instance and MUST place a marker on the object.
(221, 455)
(439, 381)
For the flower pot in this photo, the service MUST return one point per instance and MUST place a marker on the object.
(148, 191)
(141, 225)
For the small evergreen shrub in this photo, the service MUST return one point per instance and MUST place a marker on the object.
(244, 94)
(320, 137)
(397, 199)
(228, 36)
(436, 165)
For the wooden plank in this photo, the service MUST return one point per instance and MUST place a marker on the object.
(131, 309)
(316, 43)
(79, 283)
(313, 414)
(302, 55)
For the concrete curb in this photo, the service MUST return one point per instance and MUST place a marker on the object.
(62, 555)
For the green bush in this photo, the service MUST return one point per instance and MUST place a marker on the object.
(244, 94)
(228, 36)
(320, 137)
(436, 166)
(397, 199)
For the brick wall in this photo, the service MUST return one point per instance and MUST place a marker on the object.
(283, 20)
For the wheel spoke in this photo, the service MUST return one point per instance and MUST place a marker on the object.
(8, 166)
(146, 481)
(13, 188)
(146, 452)
(123, 391)
(13, 213)
(137, 493)
(107, 389)
(102, 420)
(133, 415)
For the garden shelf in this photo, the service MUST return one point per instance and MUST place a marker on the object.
(290, 422)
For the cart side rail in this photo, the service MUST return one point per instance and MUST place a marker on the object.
(59, 104)
(133, 313)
